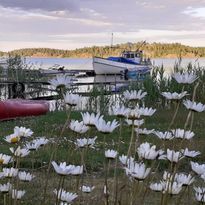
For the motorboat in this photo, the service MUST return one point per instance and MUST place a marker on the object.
(129, 60)
(55, 69)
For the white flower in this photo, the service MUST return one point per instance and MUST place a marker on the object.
(197, 107)
(62, 168)
(72, 99)
(86, 189)
(65, 196)
(5, 188)
(163, 135)
(77, 170)
(182, 134)
(83, 142)
(158, 187)
(32, 145)
(1, 175)
(203, 176)
(144, 131)
(63, 203)
(5, 159)
(173, 187)
(138, 171)
(167, 176)
(78, 127)
(119, 111)
(17, 194)
(134, 95)
(41, 141)
(184, 179)
(200, 194)
(10, 172)
(191, 154)
(13, 138)
(111, 154)
(137, 123)
(133, 114)
(200, 190)
(146, 151)
(61, 81)
(174, 96)
(35, 144)
(185, 78)
(22, 131)
(200, 197)
(198, 168)
(90, 119)
(23, 176)
(126, 161)
(145, 111)
(20, 152)
(106, 127)
(173, 156)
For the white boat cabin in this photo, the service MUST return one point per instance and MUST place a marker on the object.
(135, 56)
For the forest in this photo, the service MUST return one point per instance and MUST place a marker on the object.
(153, 50)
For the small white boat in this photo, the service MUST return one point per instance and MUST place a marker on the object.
(55, 69)
(129, 60)
(3, 62)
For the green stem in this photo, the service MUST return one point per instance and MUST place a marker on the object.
(77, 183)
(106, 183)
(187, 120)
(180, 198)
(58, 189)
(162, 199)
(174, 116)
(53, 156)
(17, 181)
(192, 120)
(131, 140)
(115, 171)
(190, 112)
(5, 199)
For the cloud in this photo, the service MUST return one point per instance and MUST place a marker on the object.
(195, 12)
(48, 5)
(91, 22)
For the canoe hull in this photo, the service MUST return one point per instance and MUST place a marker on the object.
(11, 109)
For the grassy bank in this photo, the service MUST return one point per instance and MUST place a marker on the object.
(51, 125)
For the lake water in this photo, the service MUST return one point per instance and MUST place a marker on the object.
(86, 63)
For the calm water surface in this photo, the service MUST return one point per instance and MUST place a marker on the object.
(86, 63)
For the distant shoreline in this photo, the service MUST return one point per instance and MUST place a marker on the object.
(153, 50)
(165, 57)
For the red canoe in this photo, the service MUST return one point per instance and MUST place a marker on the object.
(10, 109)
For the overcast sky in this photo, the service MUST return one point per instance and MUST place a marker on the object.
(70, 24)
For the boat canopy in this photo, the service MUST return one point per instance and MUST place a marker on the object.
(122, 60)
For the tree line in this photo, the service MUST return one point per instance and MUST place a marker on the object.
(152, 50)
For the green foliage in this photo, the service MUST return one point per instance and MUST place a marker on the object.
(19, 70)
(99, 99)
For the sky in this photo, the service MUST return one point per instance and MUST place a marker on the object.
(70, 24)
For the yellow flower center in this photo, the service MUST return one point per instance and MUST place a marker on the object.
(1, 161)
(14, 139)
(61, 87)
